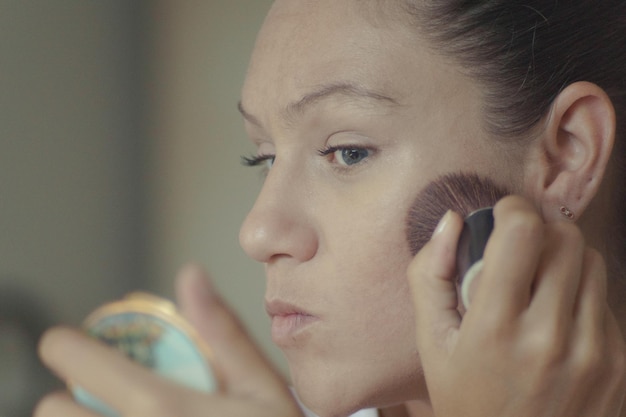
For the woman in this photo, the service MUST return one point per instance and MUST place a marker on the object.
(356, 108)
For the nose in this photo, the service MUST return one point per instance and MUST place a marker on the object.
(280, 222)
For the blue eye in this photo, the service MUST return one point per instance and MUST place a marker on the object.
(346, 155)
(351, 156)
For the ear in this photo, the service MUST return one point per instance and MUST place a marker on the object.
(569, 158)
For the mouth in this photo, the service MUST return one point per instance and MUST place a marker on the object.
(289, 321)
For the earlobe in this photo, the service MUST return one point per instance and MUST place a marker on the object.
(573, 151)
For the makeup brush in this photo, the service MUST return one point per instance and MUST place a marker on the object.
(472, 197)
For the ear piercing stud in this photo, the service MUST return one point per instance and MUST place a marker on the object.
(567, 213)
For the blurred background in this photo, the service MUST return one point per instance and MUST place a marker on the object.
(119, 161)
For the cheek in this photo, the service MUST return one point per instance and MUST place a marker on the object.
(367, 339)
(368, 219)
(367, 245)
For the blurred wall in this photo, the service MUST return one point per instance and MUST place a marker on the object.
(119, 159)
(70, 168)
(71, 195)
(199, 192)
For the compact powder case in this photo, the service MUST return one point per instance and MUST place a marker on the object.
(149, 330)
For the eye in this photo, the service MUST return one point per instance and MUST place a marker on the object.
(258, 160)
(346, 155)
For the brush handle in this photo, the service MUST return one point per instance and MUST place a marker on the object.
(476, 231)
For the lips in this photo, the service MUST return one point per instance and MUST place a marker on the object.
(289, 322)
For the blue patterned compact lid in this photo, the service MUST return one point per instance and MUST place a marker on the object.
(149, 330)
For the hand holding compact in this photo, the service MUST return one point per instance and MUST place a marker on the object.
(249, 385)
(539, 338)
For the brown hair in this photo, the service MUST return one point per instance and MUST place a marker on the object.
(525, 52)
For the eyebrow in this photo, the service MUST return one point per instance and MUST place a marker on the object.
(327, 91)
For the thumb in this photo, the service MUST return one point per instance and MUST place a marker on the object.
(432, 279)
(243, 369)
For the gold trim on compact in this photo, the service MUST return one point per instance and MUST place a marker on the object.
(150, 331)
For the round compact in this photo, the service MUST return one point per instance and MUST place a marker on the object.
(149, 331)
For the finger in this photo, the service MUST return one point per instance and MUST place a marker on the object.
(432, 279)
(61, 404)
(99, 369)
(591, 326)
(558, 278)
(590, 307)
(243, 368)
(510, 260)
(597, 340)
(605, 376)
(614, 396)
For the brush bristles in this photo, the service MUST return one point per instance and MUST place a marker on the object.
(463, 193)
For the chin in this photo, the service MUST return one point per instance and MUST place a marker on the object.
(326, 391)
(322, 408)
(330, 391)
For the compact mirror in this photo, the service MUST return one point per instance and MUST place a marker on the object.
(149, 330)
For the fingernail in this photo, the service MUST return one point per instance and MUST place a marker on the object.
(443, 223)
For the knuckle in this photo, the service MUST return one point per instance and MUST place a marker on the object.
(551, 355)
(594, 258)
(545, 349)
(569, 232)
(590, 361)
(494, 329)
(524, 225)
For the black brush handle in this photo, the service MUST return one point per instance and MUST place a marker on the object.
(476, 231)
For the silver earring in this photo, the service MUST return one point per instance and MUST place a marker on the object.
(567, 213)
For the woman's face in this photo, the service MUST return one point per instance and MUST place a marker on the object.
(360, 116)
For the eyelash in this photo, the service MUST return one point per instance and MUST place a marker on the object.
(257, 160)
(329, 150)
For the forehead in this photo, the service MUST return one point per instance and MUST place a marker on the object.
(334, 17)
(305, 44)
